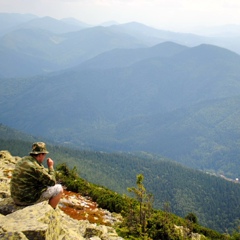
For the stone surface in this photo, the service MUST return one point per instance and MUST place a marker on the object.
(82, 208)
(41, 221)
(76, 218)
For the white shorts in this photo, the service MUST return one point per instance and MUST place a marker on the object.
(50, 192)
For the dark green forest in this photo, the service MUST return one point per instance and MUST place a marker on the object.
(212, 199)
(171, 100)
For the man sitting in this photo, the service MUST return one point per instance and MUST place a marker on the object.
(32, 183)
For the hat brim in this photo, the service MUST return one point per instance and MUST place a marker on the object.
(38, 152)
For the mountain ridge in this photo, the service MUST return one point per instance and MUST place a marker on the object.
(126, 57)
(72, 48)
(124, 108)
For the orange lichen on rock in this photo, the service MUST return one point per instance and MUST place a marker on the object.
(81, 208)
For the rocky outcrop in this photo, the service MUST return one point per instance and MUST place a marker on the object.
(76, 218)
(185, 233)
(41, 221)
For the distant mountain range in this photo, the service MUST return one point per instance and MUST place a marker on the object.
(169, 99)
(30, 45)
(122, 88)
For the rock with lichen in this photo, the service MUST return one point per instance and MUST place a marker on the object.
(7, 164)
(41, 221)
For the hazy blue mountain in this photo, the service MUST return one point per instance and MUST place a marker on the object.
(14, 21)
(13, 64)
(74, 21)
(56, 51)
(146, 35)
(96, 40)
(118, 58)
(8, 21)
(229, 42)
(173, 106)
(153, 36)
(51, 25)
(47, 44)
(27, 52)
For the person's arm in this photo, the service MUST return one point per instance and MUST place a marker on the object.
(50, 164)
(46, 177)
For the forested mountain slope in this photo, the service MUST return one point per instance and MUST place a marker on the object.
(183, 106)
(213, 199)
(121, 57)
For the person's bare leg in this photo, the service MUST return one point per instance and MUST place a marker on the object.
(55, 200)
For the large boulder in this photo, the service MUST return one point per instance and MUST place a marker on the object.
(41, 221)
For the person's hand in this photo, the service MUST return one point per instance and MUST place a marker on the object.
(50, 163)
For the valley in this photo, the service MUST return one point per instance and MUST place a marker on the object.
(120, 100)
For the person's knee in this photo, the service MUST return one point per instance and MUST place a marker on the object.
(59, 189)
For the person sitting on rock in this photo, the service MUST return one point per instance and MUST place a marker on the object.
(31, 183)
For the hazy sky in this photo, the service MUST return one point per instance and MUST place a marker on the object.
(166, 14)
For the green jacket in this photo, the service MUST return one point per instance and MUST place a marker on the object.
(29, 180)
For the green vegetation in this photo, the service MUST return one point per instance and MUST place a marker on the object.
(138, 215)
(213, 200)
(140, 220)
(105, 198)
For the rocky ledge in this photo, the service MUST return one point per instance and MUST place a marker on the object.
(75, 218)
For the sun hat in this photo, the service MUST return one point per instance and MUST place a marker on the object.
(39, 147)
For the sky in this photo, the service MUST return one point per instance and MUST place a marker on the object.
(176, 15)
